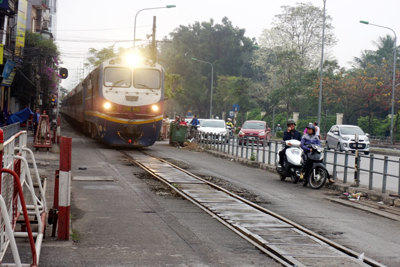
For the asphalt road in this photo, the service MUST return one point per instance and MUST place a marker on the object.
(377, 237)
(393, 164)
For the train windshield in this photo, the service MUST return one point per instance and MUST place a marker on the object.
(117, 77)
(147, 78)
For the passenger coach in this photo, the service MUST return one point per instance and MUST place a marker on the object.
(120, 102)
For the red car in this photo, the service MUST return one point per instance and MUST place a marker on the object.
(254, 130)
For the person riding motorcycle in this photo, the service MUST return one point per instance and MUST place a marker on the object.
(290, 134)
(229, 123)
(310, 138)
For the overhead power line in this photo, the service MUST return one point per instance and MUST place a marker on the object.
(104, 29)
(92, 41)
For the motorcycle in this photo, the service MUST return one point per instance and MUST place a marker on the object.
(293, 163)
(314, 171)
(230, 130)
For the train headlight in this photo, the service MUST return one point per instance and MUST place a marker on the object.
(107, 105)
(133, 59)
(155, 108)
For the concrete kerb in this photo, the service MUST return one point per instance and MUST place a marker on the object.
(338, 186)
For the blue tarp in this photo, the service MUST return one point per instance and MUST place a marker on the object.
(20, 116)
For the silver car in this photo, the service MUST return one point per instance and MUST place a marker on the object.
(343, 138)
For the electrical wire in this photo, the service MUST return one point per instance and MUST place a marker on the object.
(104, 29)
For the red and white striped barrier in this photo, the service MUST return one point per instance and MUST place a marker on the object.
(64, 189)
(16, 184)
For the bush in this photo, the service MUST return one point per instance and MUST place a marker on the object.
(378, 127)
(279, 134)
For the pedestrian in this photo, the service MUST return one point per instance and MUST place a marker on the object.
(317, 130)
(182, 122)
(36, 117)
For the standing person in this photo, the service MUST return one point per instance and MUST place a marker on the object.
(36, 117)
(195, 122)
(289, 134)
(317, 130)
(182, 122)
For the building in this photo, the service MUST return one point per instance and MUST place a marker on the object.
(42, 17)
(26, 86)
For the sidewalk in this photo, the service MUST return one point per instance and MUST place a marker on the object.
(121, 217)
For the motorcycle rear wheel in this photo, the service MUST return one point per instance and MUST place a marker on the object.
(320, 178)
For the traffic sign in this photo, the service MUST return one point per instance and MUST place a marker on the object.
(236, 107)
(231, 114)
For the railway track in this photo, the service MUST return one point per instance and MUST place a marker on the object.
(281, 239)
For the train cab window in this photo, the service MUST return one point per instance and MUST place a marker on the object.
(147, 78)
(117, 77)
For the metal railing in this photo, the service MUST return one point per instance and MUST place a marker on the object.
(17, 186)
(375, 171)
(10, 130)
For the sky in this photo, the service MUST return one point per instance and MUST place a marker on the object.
(82, 24)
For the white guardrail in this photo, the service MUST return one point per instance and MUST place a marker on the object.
(17, 187)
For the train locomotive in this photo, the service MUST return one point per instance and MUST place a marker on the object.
(121, 102)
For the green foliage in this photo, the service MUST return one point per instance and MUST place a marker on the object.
(254, 114)
(47, 47)
(96, 57)
(232, 90)
(375, 126)
(222, 44)
(279, 134)
(173, 85)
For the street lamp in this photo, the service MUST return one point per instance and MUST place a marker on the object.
(149, 8)
(212, 81)
(321, 67)
(394, 71)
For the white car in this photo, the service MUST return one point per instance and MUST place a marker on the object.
(343, 138)
(210, 128)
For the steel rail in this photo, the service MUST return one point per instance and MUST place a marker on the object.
(279, 258)
(331, 243)
(253, 240)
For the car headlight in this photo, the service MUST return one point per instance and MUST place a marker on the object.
(346, 138)
(107, 105)
(261, 133)
(241, 133)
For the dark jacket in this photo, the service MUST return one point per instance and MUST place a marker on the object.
(309, 140)
(291, 135)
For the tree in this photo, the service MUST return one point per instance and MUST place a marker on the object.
(222, 44)
(96, 57)
(233, 90)
(299, 28)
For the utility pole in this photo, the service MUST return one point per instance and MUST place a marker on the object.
(153, 41)
(321, 67)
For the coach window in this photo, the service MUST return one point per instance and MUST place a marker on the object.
(117, 77)
(147, 78)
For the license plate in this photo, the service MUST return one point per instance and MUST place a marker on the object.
(357, 146)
